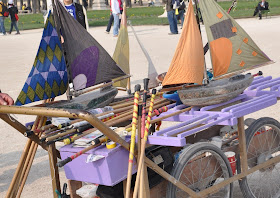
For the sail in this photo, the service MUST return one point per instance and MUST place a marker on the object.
(187, 65)
(121, 54)
(48, 76)
(231, 48)
(89, 63)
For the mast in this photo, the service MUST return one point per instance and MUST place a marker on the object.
(205, 76)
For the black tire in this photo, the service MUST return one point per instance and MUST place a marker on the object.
(264, 182)
(186, 161)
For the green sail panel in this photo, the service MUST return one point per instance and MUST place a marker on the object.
(232, 49)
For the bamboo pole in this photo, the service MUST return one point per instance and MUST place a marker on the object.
(11, 188)
(132, 141)
(140, 171)
(29, 160)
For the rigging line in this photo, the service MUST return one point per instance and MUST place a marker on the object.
(142, 47)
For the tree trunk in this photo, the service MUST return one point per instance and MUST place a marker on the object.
(34, 6)
(28, 3)
(38, 6)
(90, 4)
(21, 4)
(44, 7)
(128, 3)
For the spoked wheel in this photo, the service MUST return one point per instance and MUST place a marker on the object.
(201, 166)
(263, 143)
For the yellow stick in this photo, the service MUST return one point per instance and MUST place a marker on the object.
(143, 145)
(132, 141)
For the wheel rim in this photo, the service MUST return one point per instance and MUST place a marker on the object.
(264, 145)
(203, 170)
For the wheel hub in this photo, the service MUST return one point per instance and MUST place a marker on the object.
(263, 158)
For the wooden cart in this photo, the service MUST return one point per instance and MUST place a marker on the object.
(202, 169)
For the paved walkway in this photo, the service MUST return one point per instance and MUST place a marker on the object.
(17, 56)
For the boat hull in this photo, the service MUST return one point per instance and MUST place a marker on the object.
(93, 99)
(215, 92)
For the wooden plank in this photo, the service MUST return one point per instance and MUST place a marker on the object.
(242, 144)
(54, 170)
(73, 186)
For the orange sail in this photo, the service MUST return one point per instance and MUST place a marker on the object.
(187, 65)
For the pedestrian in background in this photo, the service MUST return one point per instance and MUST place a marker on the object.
(13, 11)
(172, 19)
(116, 14)
(2, 18)
(111, 19)
(181, 10)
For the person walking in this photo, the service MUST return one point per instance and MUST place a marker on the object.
(2, 18)
(111, 19)
(172, 19)
(181, 10)
(116, 14)
(13, 11)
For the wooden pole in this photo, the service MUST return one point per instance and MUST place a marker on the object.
(242, 144)
(140, 171)
(54, 170)
(132, 141)
(25, 152)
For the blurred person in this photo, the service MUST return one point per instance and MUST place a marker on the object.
(116, 14)
(23, 7)
(181, 10)
(111, 19)
(262, 5)
(77, 11)
(13, 11)
(172, 19)
(2, 18)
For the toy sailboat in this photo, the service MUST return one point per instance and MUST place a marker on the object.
(232, 52)
(88, 64)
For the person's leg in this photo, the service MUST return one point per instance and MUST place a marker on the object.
(2, 24)
(16, 27)
(171, 16)
(11, 29)
(110, 23)
(116, 25)
(182, 17)
(120, 20)
(175, 23)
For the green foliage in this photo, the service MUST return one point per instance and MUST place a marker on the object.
(145, 15)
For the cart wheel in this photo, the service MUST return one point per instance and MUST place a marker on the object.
(201, 166)
(263, 143)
